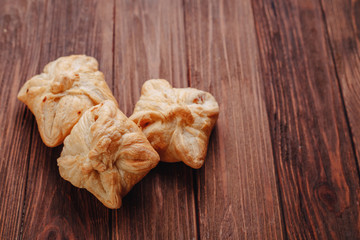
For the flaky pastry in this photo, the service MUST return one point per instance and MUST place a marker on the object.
(176, 121)
(106, 153)
(59, 96)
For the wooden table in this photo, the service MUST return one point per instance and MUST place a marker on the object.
(282, 161)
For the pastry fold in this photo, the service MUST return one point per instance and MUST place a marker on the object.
(59, 96)
(107, 154)
(177, 121)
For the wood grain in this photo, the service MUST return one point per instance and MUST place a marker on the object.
(282, 160)
(54, 209)
(150, 43)
(237, 190)
(343, 25)
(19, 58)
(313, 153)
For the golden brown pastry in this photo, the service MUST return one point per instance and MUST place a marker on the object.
(176, 121)
(62, 93)
(107, 154)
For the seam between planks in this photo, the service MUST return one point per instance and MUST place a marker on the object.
(327, 37)
(33, 126)
(196, 204)
(26, 181)
(277, 175)
(194, 171)
(188, 70)
(113, 46)
(110, 211)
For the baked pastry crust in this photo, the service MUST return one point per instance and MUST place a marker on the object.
(176, 121)
(59, 96)
(107, 154)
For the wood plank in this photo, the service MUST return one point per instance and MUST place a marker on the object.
(150, 43)
(16, 124)
(19, 57)
(53, 207)
(237, 189)
(343, 26)
(313, 151)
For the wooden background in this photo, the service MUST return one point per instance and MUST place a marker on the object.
(282, 160)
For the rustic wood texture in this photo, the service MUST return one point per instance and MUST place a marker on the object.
(316, 166)
(281, 161)
(150, 43)
(54, 209)
(237, 191)
(19, 57)
(342, 19)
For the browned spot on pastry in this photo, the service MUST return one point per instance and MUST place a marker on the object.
(44, 99)
(27, 90)
(96, 117)
(79, 112)
(199, 99)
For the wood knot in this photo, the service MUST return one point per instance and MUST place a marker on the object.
(53, 235)
(327, 196)
(51, 232)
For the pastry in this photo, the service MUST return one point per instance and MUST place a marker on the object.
(176, 121)
(106, 153)
(59, 96)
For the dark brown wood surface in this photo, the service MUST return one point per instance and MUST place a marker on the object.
(69, 28)
(150, 43)
(342, 20)
(19, 58)
(237, 191)
(283, 157)
(316, 166)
